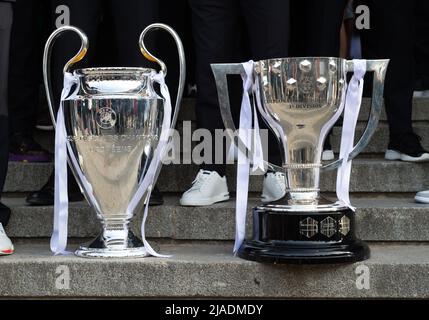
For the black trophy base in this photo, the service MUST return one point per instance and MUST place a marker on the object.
(304, 238)
(281, 252)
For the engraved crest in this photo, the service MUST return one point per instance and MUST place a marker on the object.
(106, 118)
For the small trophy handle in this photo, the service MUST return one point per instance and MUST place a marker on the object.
(47, 59)
(220, 72)
(379, 67)
(182, 62)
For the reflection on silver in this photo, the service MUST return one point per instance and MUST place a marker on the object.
(113, 123)
(344, 225)
(308, 227)
(328, 227)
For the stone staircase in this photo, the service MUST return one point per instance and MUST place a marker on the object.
(200, 239)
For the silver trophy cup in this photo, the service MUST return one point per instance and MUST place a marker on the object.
(113, 123)
(301, 99)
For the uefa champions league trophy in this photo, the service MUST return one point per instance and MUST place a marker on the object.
(112, 128)
(300, 99)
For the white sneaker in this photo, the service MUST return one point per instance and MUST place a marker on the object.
(422, 197)
(208, 188)
(328, 155)
(6, 246)
(397, 155)
(274, 187)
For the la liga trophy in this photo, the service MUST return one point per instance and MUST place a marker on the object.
(112, 127)
(300, 99)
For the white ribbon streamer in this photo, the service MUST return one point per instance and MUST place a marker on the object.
(148, 181)
(59, 235)
(243, 167)
(351, 113)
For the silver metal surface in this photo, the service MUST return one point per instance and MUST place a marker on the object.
(113, 122)
(301, 100)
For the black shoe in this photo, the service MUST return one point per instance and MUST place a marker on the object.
(406, 147)
(45, 196)
(156, 198)
(4, 214)
(24, 148)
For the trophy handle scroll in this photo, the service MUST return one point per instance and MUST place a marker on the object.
(379, 67)
(47, 58)
(182, 62)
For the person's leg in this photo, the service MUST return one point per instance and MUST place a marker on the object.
(268, 26)
(422, 43)
(392, 37)
(25, 72)
(130, 17)
(24, 82)
(84, 15)
(5, 29)
(215, 26)
(6, 246)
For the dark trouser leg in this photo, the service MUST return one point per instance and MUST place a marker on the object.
(267, 23)
(84, 15)
(25, 72)
(5, 29)
(391, 37)
(129, 19)
(422, 43)
(215, 31)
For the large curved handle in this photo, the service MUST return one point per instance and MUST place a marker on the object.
(47, 57)
(220, 72)
(182, 61)
(379, 67)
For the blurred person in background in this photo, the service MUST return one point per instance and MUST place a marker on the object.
(25, 80)
(398, 31)
(6, 17)
(217, 27)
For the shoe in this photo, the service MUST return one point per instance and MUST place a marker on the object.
(44, 121)
(6, 246)
(274, 187)
(327, 154)
(422, 197)
(156, 198)
(407, 148)
(26, 149)
(421, 94)
(207, 188)
(45, 196)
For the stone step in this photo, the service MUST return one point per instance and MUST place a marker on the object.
(209, 270)
(368, 175)
(387, 218)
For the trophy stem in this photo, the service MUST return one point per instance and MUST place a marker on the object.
(115, 241)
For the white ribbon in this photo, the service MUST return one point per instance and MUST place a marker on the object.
(59, 236)
(148, 181)
(243, 167)
(351, 113)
